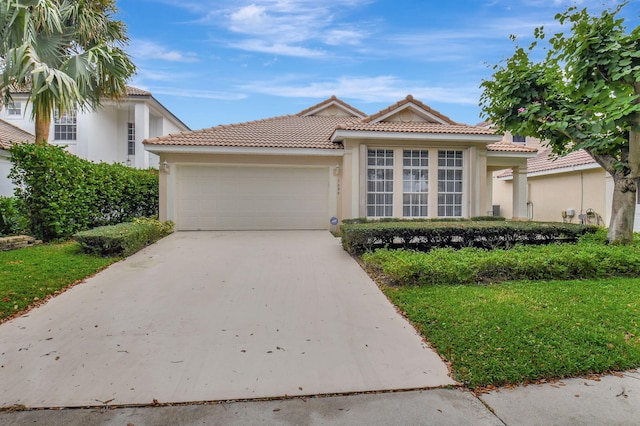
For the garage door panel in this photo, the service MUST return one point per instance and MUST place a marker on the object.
(235, 198)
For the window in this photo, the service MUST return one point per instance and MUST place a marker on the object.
(518, 139)
(14, 108)
(64, 128)
(131, 138)
(380, 183)
(415, 183)
(450, 183)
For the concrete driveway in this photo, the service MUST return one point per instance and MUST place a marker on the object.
(207, 316)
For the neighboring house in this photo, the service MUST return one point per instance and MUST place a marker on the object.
(9, 134)
(113, 133)
(331, 162)
(574, 184)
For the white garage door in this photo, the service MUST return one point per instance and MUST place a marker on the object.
(252, 198)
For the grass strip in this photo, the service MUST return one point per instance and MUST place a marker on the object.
(517, 332)
(30, 275)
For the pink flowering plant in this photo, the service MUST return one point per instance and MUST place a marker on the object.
(585, 94)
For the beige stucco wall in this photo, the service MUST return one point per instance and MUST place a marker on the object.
(348, 173)
(168, 179)
(549, 195)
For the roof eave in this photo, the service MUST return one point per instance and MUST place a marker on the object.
(340, 135)
(548, 172)
(512, 154)
(193, 149)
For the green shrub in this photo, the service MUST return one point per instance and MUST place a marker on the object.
(62, 194)
(585, 260)
(423, 235)
(12, 222)
(123, 239)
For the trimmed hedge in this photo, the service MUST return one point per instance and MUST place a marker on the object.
(12, 222)
(591, 258)
(61, 194)
(123, 239)
(358, 238)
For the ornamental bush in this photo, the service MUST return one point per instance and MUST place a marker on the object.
(590, 258)
(423, 235)
(12, 222)
(123, 239)
(62, 194)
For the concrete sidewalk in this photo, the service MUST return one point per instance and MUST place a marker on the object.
(610, 400)
(206, 316)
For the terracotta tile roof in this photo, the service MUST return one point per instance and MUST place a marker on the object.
(289, 131)
(415, 127)
(131, 91)
(503, 146)
(332, 99)
(10, 134)
(134, 91)
(547, 161)
(407, 100)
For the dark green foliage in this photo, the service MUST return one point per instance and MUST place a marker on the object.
(589, 259)
(62, 194)
(358, 238)
(12, 222)
(123, 239)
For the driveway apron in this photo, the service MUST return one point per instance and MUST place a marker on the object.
(205, 316)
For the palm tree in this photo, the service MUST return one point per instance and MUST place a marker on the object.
(67, 54)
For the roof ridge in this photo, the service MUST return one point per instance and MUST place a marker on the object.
(327, 101)
(408, 99)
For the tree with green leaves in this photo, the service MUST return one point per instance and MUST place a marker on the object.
(67, 54)
(584, 94)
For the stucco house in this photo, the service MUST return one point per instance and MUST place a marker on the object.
(112, 133)
(331, 162)
(9, 134)
(572, 188)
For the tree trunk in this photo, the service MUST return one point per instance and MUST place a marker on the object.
(43, 123)
(623, 210)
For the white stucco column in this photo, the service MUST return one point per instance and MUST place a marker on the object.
(520, 193)
(142, 133)
(488, 206)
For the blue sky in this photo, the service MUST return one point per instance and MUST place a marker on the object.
(217, 62)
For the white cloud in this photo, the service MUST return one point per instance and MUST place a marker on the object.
(144, 49)
(202, 94)
(255, 45)
(384, 88)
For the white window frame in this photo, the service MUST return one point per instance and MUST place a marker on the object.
(380, 182)
(450, 183)
(14, 109)
(131, 138)
(415, 183)
(455, 192)
(65, 126)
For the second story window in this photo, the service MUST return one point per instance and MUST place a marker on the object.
(64, 126)
(14, 108)
(131, 138)
(519, 139)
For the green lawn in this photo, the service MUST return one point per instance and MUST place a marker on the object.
(29, 275)
(517, 332)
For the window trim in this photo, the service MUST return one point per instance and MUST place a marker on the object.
(14, 109)
(65, 126)
(131, 138)
(398, 179)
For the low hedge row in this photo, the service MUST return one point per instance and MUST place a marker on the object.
(358, 238)
(123, 239)
(590, 258)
